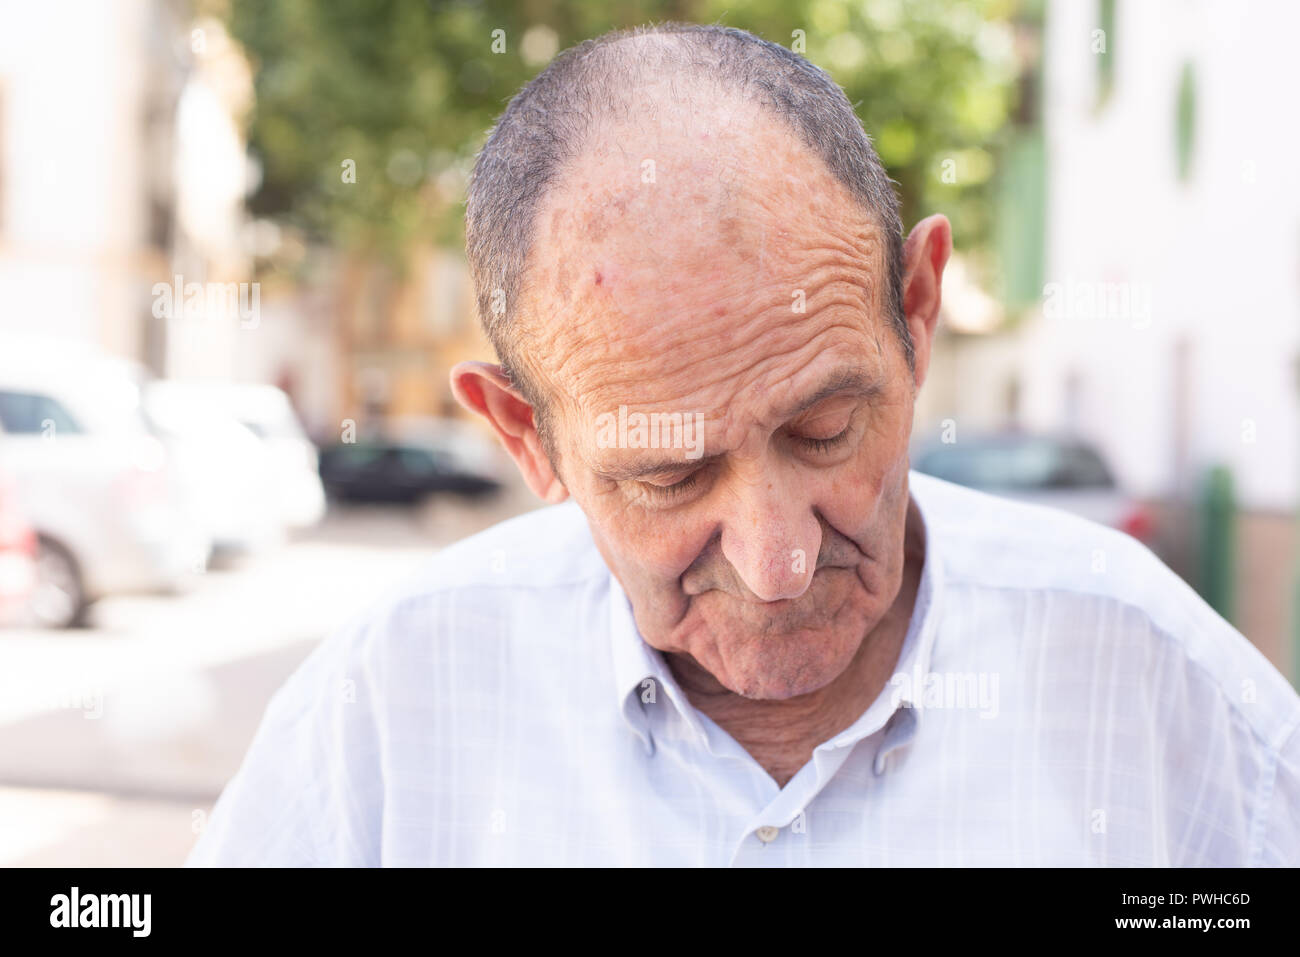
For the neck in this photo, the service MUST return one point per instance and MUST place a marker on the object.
(781, 735)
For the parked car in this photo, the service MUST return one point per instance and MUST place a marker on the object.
(1059, 471)
(294, 490)
(106, 502)
(17, 556)
(380, 470)
(227, 472)
(473, 450)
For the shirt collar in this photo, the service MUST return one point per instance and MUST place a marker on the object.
(641, 675)
(639, 670)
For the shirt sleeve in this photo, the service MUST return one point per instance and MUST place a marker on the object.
(309, 792)
(1280, 843)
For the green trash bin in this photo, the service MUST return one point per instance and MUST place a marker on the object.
(1217, 545)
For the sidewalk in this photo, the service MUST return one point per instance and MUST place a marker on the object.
(115, 740)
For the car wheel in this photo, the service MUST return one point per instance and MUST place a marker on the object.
(59, 599)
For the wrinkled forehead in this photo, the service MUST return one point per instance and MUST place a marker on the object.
(690, 239)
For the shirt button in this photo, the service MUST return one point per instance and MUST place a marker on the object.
(767, 834)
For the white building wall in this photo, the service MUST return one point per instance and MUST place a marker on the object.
(1219, 254)
(93, 124)
(70, 171)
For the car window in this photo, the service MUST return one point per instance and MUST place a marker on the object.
(352, 456)
(29, 413)
(990, 466)
(1081, 467)
(422, 461)
(1017, 465)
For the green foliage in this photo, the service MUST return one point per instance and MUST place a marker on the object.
(407, 90)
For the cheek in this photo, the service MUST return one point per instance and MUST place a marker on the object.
(855, 501)
(651, 549)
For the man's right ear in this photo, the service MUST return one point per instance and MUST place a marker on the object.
(485, 389)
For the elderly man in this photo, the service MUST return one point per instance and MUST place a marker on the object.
(744, 633)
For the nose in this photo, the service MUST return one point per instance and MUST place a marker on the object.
(771, 539)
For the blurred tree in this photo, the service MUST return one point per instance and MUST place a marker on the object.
(368, 112)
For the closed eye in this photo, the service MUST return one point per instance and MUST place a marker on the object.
(672, 491)
(825, 445)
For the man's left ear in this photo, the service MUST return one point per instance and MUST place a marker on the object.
(925, 253)
(486, 390)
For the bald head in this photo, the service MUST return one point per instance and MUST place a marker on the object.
(693, 98)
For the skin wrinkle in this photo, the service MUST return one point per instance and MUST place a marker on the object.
(848, 244)
(693, 397)
(699, 320)
(644, 353)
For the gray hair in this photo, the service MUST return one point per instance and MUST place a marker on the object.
(547, 123)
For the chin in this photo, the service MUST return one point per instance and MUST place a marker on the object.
(778, 674)
(767, 688)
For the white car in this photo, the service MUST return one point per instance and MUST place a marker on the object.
(106, 503)
(294, 490)
(227, 472)
(17, 556)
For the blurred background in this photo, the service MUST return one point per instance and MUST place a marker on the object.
(232, 285)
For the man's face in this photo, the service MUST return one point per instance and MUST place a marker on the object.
(733, 277)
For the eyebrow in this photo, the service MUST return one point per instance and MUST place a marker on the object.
(854, 382)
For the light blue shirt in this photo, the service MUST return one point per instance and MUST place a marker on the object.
(1061, 698)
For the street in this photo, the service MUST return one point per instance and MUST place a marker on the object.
(115, 739)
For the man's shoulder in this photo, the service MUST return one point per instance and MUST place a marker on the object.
(475, 590)
(1066, 570)
(549, 547)
(999, 542)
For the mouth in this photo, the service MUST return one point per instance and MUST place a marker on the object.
(788, 610)
(747, 598)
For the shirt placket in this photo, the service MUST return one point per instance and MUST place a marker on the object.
(774, 836)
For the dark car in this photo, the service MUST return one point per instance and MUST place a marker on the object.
(1059, 471)
(381, 471)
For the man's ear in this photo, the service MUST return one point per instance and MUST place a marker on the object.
(925, 253)
(485, 389)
